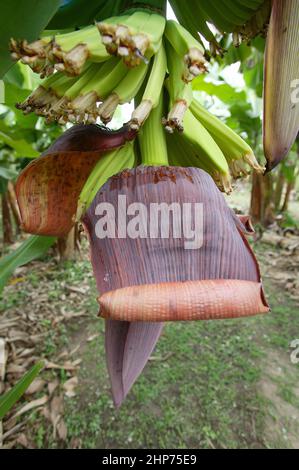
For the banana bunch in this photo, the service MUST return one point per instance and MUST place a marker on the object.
(90, 89)
(203, 142)
(65, 52)
(96, 93)
(134, 38)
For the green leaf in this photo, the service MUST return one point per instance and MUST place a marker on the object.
(22, 19)
(80, 12)
(21, 145)
(235, 54)
(12, 396)
(254, 78)
(32, 248)
(14, 76)
(223, 91)
(18, 84)
(14, 94)
(7, 173)
(3, 185)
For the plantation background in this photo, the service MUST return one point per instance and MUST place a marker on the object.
(208, 384)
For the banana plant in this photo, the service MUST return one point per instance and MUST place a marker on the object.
(90, 63)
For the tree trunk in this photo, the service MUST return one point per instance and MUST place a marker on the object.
(290, 187)
(6, 220)
(257, 196)
(67, 245)
(280, 182)
(12, 199)
(261, 205)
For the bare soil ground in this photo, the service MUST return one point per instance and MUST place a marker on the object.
(225, 384)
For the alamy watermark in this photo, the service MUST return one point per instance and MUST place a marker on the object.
(295, 92)
(156, 220)
(294, 356)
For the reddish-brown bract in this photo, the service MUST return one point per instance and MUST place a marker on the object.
(48, 188)
(190, 300)
(121, 262)
(223, 271)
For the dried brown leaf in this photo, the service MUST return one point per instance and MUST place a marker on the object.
(31, 405)
(23, 441)
(66, 366)
(92, 337)
(3, 358)
(62, 430)
(36, 386)
(52, 386)
(56, 408)
(69, 387)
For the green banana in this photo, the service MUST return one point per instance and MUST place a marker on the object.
(190, 50)
(83, 104)
(182, 153)
(151, 138)
(206, 147)
(134, 37)
(180, 93)
(124, 92)
(109, 165)
(151, 94)
(65, 52)
(236, 150)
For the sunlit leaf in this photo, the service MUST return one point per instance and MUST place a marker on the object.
(7, 173)
(223, 91)
(21, 145)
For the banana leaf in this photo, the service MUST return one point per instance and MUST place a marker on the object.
(32, 248)
(22, 19)
(12, 396)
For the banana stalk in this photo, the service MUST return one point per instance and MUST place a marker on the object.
(281, 83)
